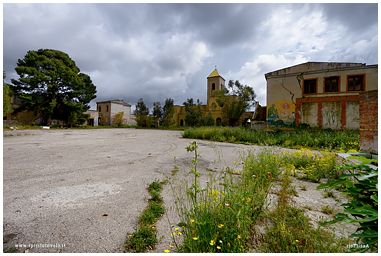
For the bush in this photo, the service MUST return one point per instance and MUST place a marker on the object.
(118, 119)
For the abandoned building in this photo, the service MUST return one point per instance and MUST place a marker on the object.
(108, 109)
(214, 82)
(320, 94)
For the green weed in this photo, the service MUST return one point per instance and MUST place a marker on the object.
(361, 183)
(144, 237)
(218, 217)
(327, 209)
(291, 231)
(314, 138)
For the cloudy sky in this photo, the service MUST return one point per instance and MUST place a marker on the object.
(159, 51)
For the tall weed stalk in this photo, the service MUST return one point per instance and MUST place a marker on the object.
(218, 216)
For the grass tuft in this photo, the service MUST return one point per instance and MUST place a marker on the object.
(144, 237)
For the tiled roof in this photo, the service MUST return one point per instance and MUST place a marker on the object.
(214, 74)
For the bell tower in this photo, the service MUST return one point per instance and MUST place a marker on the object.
(215, 82)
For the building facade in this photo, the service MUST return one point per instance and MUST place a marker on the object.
(108, 109)
(320, 94)
(214, 82)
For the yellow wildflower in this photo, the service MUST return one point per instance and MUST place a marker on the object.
(166, 251)
(195, 238)
(220, 226)
(212, 242)
(238, 237)
(171, 246)
(177, 229)
(192, 221)
(179, 233)
(297, 241)
(219, 248)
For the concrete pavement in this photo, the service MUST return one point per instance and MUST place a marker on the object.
(57, 184)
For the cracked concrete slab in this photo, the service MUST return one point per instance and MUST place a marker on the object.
(57, 184)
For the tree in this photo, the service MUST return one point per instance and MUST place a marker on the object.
(234, 101)
(118, 119)
(168, 112)
(50, 83)
(208, 120)
(193, 113)
(6, 98)
(157, 113)
(141, 112)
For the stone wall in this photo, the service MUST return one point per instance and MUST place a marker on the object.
(369, 121)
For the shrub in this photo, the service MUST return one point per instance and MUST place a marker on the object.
(118, 119)
(361, 184)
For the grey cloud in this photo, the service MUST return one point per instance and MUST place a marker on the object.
(155, 51)
(356, 16)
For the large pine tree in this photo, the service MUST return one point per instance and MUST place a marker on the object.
(51, 84)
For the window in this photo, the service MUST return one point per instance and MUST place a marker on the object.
(213, 86)
(99, 108)
(309, 86)
(331, 84)
(356, 83)
(106, 108)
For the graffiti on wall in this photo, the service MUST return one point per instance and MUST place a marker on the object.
(331, 114)
(281, 113)
(331, 118)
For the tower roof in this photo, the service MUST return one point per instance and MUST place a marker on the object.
(214, 74)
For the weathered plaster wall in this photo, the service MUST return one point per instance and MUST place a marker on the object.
(117, 108)
(352, 115)
(336, 110)
(331, 114)
(104, 115)
(310, 114)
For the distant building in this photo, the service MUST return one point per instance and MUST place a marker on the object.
(93, 118)
(320, 94)
(214, 82)
(108, 109)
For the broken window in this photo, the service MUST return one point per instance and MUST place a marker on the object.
(309, 86)
(106, 108)
(356, 83)
(331, 84)
(99, 108)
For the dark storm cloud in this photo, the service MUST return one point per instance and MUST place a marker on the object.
(355, 16)
(157, 51)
